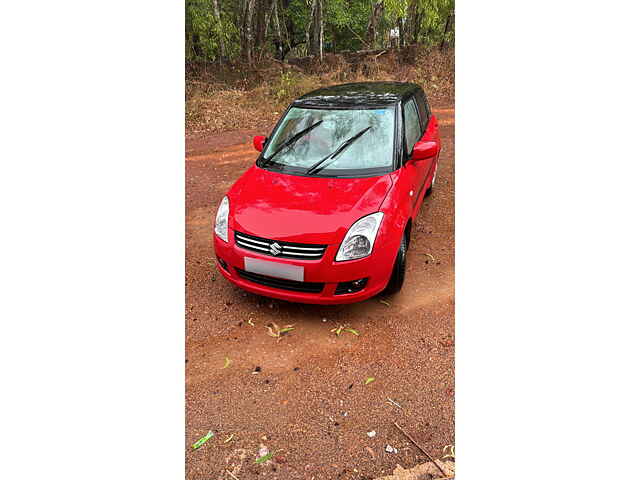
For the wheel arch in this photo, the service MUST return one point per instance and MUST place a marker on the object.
(407, 231)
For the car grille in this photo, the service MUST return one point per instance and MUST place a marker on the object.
(281, 283)
(276, 248)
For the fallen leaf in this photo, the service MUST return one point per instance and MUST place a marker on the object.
(203, 440)
(229, 439)
(264, 458)
(393, 402)
(286, 329)
(369, 380)
(370, 450)
(430, 256)
(449, 452)
(352, 330)
(384, 302)
(227, 362)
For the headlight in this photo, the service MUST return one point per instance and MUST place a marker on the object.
(358, 242)
(222, 220)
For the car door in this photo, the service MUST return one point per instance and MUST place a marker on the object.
(417, 171)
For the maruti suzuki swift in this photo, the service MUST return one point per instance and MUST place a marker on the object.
(325, 214)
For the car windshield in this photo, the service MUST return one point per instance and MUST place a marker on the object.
(371, 151)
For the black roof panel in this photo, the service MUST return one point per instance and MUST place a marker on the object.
(358, 94)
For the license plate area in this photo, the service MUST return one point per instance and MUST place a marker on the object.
(274, 269)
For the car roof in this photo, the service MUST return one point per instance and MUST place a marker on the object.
(362, 94)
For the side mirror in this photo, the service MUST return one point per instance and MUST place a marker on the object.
(423, 150)
(258, 142)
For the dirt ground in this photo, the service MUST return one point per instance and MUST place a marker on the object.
(308, 402)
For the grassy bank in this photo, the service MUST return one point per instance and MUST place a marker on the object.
(233, 97)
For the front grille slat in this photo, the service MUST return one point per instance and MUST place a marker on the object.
(315, 255)
(303, 248)
(251, 247)
(251, 240)
(281, 283)
(300, 251)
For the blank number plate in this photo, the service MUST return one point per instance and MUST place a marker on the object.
(274, 269)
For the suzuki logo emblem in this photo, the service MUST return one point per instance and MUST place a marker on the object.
(275, 248)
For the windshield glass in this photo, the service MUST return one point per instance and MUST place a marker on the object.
(372, 150)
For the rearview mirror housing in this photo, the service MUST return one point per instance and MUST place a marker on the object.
(423, 150)
(258, 142)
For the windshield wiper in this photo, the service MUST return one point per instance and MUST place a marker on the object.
(291, 141)
(316, 167)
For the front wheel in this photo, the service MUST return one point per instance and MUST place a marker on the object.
(399, 267)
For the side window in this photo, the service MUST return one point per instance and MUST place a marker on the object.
(412, 129)
(423, 108)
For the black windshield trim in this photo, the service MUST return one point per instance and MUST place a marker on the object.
(335, 173)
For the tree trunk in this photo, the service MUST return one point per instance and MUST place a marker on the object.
(197, 48)
(401, 32)
(276, 23)
(411, 17)
(216, 13)
(315, 30)
(246, 32)
(418, 25)
(263, 9)
(320, 29)
(447, 29)
(377, 10)
(414, 21)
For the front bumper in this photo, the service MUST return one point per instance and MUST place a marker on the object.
(376, 267)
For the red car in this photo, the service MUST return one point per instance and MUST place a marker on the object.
(325, 214)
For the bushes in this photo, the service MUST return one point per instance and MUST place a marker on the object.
(232, 98)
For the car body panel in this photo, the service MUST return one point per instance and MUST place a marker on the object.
(302, 209)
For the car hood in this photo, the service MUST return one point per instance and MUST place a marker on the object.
(302, 209)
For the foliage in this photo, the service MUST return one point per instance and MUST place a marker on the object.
(345, 25)
(290, 85)
(203, 35)
(435, 20)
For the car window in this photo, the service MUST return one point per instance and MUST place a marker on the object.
(412, 129)
(374, 149)
(422, 108)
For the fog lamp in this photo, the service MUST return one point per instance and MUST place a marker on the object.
(352, 286)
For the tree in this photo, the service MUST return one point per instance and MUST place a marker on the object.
(415, 20)
(216, 12)
(278, 42)
(315, 30)
(248, 30)
(447, 29)
(377, 10)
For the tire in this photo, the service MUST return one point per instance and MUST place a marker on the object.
(399, 268)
